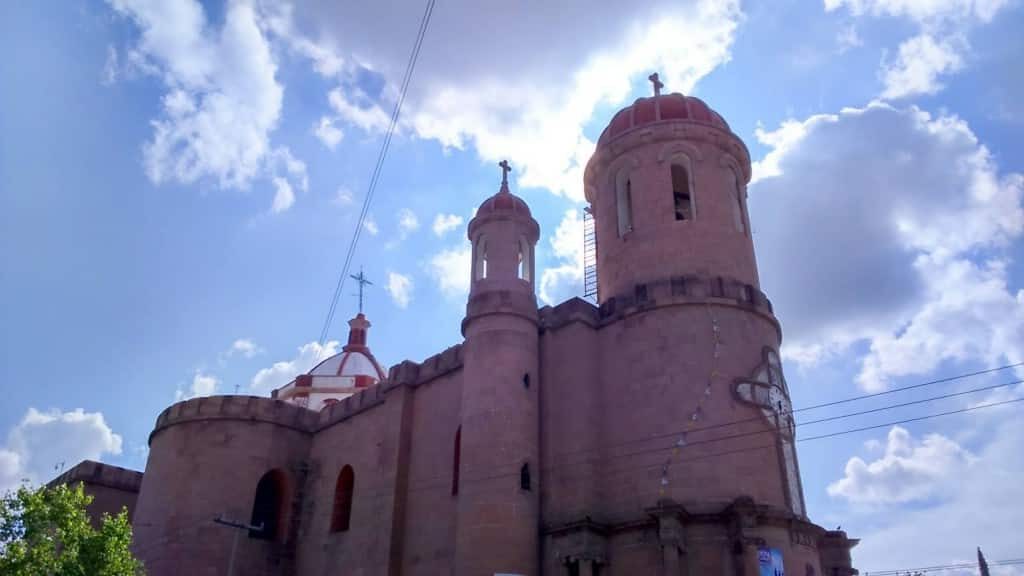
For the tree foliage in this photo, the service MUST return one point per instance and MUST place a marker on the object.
(46, 532)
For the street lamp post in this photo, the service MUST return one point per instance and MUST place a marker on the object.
(238, 526)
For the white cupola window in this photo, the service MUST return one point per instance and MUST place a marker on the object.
(525, 260)
(739, 194)
(480, 259)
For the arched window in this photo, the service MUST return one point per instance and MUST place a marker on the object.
(268, 507)
(480, 259)
(738, 213)
(341, 514)
(682, 197)
(455, 461)
(525, 259)
(624, 202)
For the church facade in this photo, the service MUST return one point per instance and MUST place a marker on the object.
(649, 434)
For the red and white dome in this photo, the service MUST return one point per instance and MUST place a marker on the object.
(661, 108)
(339, 376)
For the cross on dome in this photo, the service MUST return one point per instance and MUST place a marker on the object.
(505, 169)
(658, 85)
(363, 282)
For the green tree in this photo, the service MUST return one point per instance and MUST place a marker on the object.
(46, 532)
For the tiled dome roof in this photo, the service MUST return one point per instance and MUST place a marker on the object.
(662, 108)
(503, 201)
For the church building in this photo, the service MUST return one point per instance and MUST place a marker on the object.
(649, 434)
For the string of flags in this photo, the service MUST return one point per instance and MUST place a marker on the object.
(697, 414)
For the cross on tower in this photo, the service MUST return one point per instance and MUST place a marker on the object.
(363, 282)
(657, 83)
(505, 169)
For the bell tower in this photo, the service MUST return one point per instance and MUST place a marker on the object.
(498, 498)
(667, 188)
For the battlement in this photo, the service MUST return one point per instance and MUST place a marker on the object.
(674, 291)
(246, 408)
(98, 473)
(410, 373)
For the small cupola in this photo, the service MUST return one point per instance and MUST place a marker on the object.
(504, 235)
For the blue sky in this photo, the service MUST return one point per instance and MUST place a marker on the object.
(179, 182)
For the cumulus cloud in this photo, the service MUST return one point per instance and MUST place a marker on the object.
(343, 196)
(445, 223)
(400, 288)
(329, 134)
(283, 372)
(284, 196)
(909, 240)
(565, 280)
(407, 221)
(244, 347)
(202, 385)
(937, 50)
(370, 225)
(450, 269)
(469, 92)
(910, 470)
(969, 501)
(222, 97)
(922, 60)
(44, 442)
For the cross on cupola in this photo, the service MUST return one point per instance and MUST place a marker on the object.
(505, 169)
(658, 85)
(363, 282)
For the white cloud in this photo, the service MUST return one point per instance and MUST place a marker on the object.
(519, 109)
(370, 225)
(560, 282)
(222, 98)
(111, 67)
(445, 223)
(921, 224)
(922, 11)
(400, 288)
(847, 38)
(284, 196)
(283, 372)
(909, 470)
(42, 442)
(245, 347)
(329, 134)
(343, 197)
(202, 385)
(939, 47)
(919, 65)
(407, 221)
(970, 502)
(450, 270)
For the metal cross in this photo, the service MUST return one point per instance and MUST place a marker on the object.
(361, 279)
(657, 83)
(505, 169)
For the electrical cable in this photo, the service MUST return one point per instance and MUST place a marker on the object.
(377, 169)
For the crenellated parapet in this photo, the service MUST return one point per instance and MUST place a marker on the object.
(409, 373)
(672, 291)
(241, 408)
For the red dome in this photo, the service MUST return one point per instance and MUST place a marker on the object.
(662, 108)
(504, 201)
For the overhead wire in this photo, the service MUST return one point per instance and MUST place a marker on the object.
(377, 169)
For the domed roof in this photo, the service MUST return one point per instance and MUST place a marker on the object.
(355, 359)
(504, 201)
(660, 108)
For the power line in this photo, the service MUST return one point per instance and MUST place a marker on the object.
(832, 403)
(377, 169)
(943, 567)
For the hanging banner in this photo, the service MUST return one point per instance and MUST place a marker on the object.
(769, 561)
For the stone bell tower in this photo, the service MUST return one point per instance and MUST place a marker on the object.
(667, 186)
(498, 496)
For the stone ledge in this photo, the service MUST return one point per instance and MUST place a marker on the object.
(98, 473)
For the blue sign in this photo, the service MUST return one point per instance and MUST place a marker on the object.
(769, 560)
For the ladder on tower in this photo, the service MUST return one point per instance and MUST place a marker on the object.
(589, 255)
